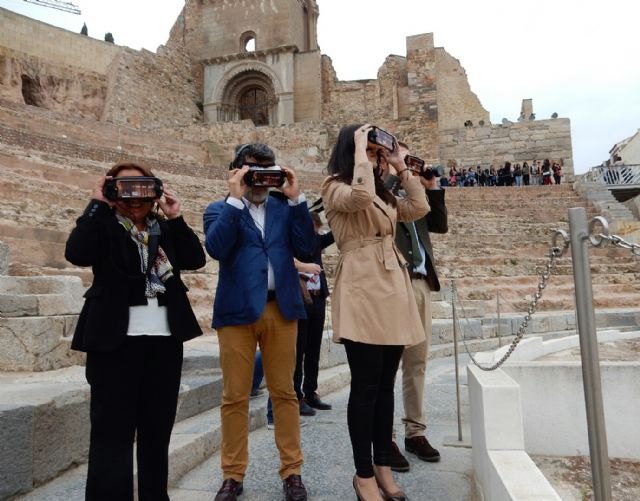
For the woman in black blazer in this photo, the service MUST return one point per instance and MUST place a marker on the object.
(132, 326)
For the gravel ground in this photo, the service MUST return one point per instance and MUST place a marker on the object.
(571, 477)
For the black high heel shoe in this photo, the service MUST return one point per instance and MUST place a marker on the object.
(395, 496)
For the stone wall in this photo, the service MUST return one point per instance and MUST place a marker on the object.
(54, 45)
(147, 90)
(58, 70)
(515, 142)
(274, 23)
(27, 79)
(308, 86)
(456, 102)
(51, 132)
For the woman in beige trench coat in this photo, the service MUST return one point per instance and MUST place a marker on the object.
(373, 310)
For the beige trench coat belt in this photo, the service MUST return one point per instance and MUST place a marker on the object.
(391, 255)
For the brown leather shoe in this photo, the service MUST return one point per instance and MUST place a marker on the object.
(421, 447)
(397, 461)
(294, 489)
(315, 402)
(229, 491)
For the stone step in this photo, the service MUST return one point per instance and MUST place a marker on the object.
(46, 416)
(42, 410)
(193, 440)
(40, 285)
(489, 327)
(531, 260)
(506, 270)
(533, 279)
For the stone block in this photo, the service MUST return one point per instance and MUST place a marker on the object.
(16, 450)
(67, 419)
(496, 410)
(515, 477)
(42, 285)
(12, 305)
(36, 343)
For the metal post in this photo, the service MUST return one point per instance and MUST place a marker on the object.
(455, 356)
(589, 353)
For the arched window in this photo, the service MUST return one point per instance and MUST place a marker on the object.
(248, 42)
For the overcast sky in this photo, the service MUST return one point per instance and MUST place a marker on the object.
(578, 58)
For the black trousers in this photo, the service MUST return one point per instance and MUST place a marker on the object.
(134, 392)
(308, 347)
(370, 409)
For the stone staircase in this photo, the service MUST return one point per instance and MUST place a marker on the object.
(498, 243)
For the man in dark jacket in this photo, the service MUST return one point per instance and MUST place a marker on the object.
(415, 244)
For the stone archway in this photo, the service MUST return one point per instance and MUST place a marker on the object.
(249, 95)
(250, 90)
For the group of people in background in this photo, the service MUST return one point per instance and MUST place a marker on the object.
(271, 295)
(510, 174)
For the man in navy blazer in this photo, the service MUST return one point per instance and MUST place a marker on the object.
(254, 234)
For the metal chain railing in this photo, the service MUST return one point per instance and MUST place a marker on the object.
(601, 239)
(555, 252)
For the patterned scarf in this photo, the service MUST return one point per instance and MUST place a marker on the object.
(161, 270)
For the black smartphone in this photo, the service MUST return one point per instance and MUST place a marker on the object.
(414, 164)
(382, 138)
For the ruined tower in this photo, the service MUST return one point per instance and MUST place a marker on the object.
(251, 53)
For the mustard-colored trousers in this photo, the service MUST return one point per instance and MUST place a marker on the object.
(277, 339)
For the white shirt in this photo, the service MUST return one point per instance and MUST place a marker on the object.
(422, 267)
(148, 320)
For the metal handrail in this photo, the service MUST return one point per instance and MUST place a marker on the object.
(615, 175)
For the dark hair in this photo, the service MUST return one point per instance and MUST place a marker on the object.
(342, 162)
(120, 166)
(261, 152)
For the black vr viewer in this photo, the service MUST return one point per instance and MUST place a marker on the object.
(143, 188)
(382, 138)
(417, 166)
(270, 176)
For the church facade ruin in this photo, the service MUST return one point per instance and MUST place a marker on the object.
(234, 71)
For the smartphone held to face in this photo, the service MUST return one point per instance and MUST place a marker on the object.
(414, 164)
(382, 138)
